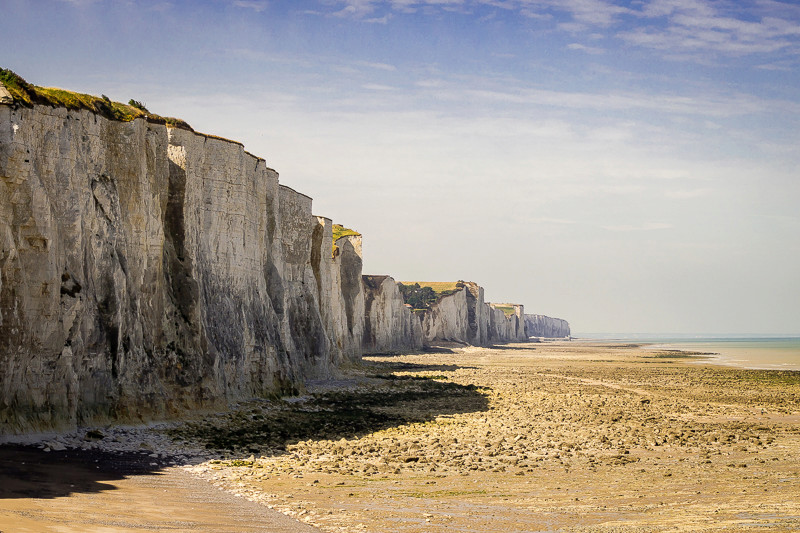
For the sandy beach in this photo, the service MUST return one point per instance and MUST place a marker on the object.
(575, 436)
(569, 435)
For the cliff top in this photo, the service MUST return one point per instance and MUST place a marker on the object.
(420, 295)
(441, 288)
(27, 94)
(507, 309)
(340, 231)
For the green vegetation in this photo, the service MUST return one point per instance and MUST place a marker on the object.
(441, 288)
(27, 95)
(138, 105)
(340, 231)
(507, 310)
(420, 295)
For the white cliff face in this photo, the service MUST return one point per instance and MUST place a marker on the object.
(347, 304)
(448, 319)
(389, 325)
(547, 327)
(507, 328)
(464, 317)
(145, 270)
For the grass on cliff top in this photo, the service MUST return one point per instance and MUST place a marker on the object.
(441, 288)
(27, 94)
(507, 310)
(340, 231)
(421, 295)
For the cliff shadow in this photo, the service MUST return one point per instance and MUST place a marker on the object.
(382, 402)
(380, 367)
(510, 347)
(29, 472)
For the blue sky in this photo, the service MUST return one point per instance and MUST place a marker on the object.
(628, 166)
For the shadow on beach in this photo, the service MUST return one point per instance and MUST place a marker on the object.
(400, 366)
(28, 472)
(389, 401)
(257, 427)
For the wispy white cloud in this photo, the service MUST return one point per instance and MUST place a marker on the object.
(377, 87)
(591, 12)
(378, 66)
(355, 8)
(256, 5)
(80, 3)
(721, 106)
(379, 20)
(588, 49)
(684, 29)
(687, 25)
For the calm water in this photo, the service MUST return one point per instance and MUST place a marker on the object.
(775, 354)
(747, 352)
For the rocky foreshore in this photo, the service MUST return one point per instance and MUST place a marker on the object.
(574, 436)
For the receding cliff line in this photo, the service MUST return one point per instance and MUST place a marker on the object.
(547, 327)
(147, 269)
(457, 312)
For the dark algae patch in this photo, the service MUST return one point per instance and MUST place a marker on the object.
(334, 415)
(678, 354)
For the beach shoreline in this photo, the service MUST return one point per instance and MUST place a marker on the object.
(748, 353)
(573, 435)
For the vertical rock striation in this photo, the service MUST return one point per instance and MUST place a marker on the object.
(145, 270)
(464, 317)
(389, 325)
(507, 323)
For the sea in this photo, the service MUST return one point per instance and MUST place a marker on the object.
(758, 352)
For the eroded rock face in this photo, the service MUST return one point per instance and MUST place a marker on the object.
(545, 326)
(337, 270)
(389, 326)
(465, 317)
(507, 327)
(145, 270)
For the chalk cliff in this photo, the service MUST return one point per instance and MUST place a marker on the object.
(389, 325)
(461, 315)
(545, 326)
(337, 266)
(507, 323)
(147, 269)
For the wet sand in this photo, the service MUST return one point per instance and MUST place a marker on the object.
(536, 437)
(80, 491)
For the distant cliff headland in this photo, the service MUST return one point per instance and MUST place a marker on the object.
(147, 269)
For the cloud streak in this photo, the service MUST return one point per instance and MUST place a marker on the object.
(256, 5)
(674, 26)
